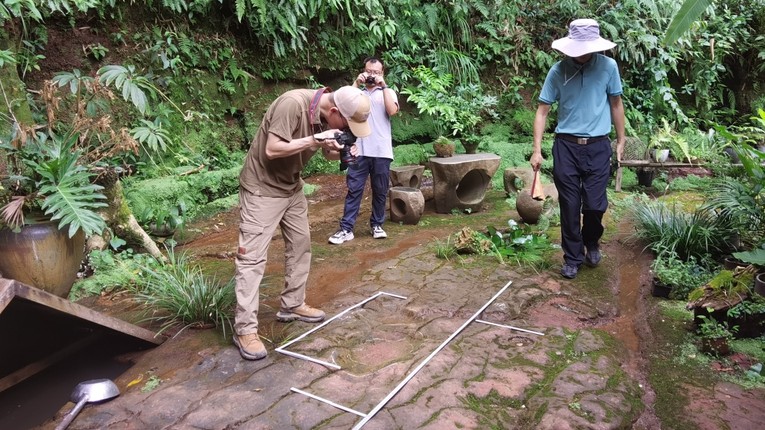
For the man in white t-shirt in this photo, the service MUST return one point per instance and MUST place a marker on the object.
(374, 155)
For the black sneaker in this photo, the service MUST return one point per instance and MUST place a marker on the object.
(593, 257)
(569, 271)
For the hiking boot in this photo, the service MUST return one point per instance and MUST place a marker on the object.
(340, 237)
(378, 232)
(593, 257)
(303, 313)
(250, 346)
(569, 271)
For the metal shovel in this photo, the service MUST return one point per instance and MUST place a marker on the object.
(95, 390)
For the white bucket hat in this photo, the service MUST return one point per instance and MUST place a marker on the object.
(583, 38)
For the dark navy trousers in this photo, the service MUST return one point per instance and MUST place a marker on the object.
(581, 174)
(378, 170)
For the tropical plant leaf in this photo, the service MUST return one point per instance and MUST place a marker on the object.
(72, 79)
(755, 256)
(152, 136)
(68, 194)
(684, 18)
(123, 79)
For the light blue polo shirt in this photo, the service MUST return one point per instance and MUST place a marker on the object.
(582, 93)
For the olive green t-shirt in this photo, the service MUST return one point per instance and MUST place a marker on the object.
(288, 118)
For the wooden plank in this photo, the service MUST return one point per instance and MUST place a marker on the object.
(648, 163)
(52, 301)
(40, 365)
(655, 165)
(7, 292)
(668, 164)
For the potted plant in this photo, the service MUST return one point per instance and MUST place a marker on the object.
(49, 199)
(443, 147)
(675, 278)
(667, 141)
(715, 336)
(470, 142)
(749, 316)
(659, 143)
(663, 278)
(756, 257)
(726, 290)
(457, 110)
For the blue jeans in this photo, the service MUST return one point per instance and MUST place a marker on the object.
(378, 169)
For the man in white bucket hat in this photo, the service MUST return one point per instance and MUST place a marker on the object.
(587, 87)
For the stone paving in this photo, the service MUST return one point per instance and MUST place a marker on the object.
(486, 377)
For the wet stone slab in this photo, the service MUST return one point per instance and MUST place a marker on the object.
(486, 377)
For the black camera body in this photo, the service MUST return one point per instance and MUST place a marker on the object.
(346, 139)
(371, 80)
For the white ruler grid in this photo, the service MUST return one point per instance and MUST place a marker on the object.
(283, 349)
(368, 416)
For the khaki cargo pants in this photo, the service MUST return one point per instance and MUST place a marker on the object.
(259, 217)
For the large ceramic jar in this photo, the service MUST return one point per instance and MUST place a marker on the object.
(42, 256)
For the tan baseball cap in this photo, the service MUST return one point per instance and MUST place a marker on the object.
(355, 107)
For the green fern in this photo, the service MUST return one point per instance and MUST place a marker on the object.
(6, 57)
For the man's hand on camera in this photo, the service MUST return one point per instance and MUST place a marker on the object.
(326, 140)
(355, 151)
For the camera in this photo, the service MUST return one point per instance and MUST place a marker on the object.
(371, 80)
(347, 140)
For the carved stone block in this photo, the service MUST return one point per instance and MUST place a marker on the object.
(406, 205)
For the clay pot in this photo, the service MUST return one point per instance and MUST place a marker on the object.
(660, 155)
(715, 345)
(731, 263)
(528, 207)
(42, 256)
(759, 284)
(645, 176)
(470, 147)
(660, 290)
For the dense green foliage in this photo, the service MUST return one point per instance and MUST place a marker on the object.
(705, 75)
(112, 271)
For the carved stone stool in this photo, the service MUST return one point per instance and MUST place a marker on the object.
(406, 205)
(460, 182)
(406, 176)
(517, 178)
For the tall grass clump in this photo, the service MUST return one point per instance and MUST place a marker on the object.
(744, 204)
(671, 230)
(179, 295)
